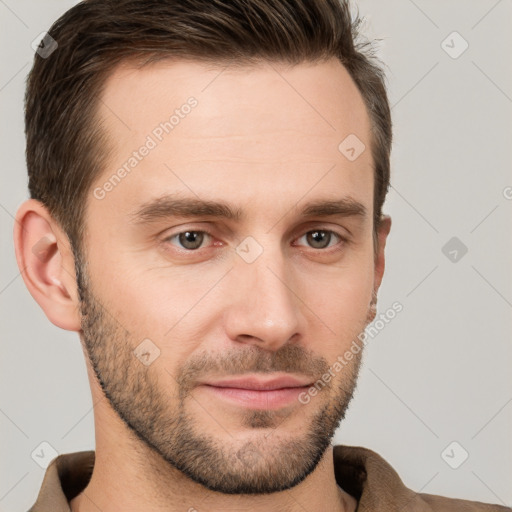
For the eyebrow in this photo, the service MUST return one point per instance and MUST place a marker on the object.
(173, 206)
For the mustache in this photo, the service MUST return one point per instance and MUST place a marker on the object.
(288, 358)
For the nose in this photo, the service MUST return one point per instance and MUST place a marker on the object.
(263, 309)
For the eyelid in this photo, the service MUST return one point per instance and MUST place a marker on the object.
(167, 238)
(343, 238)
(337, 229)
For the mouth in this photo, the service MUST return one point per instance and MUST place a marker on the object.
(256, 392)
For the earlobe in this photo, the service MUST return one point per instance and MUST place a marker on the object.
(46, 264)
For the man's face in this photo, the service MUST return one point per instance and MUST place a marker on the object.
(205, 330)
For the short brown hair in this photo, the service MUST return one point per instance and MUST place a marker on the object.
(66, 149)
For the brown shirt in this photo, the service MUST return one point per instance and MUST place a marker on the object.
(361, 472)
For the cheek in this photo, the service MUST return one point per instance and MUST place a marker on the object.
(163, 311)
(340, 301)
(173, 307)
(345, 286)
(142, 292)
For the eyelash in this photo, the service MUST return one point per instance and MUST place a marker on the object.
(343, 240)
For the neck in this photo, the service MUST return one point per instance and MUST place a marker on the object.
(128, 475)
(128, 479)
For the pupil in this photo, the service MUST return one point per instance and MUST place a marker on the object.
(191, 239)
(319, 238)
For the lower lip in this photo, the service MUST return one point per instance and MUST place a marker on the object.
(258, 399)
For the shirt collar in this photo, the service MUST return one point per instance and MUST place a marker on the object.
(359, 471)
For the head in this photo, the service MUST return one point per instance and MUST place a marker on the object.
(197, 219)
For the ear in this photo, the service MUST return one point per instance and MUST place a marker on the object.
(380, 260)
(46, 262)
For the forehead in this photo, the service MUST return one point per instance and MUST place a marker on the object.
(234, 131)
(276, 95)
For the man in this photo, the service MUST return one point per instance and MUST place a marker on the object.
(207, 182)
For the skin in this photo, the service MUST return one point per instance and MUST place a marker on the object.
(264, 139)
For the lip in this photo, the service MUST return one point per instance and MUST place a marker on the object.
(256, 392)
(259, 383)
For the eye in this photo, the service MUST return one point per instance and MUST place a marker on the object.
(189, 240)
(193, 240)
(321, 238)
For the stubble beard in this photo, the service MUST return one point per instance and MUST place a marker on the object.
(270, 460)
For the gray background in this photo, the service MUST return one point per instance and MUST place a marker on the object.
(440, 371)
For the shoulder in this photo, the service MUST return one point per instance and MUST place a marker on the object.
(442, 503)
(368, 477)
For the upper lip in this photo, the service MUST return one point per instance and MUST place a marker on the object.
(260, 383)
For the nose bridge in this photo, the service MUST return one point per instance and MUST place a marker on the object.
(265, 311)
